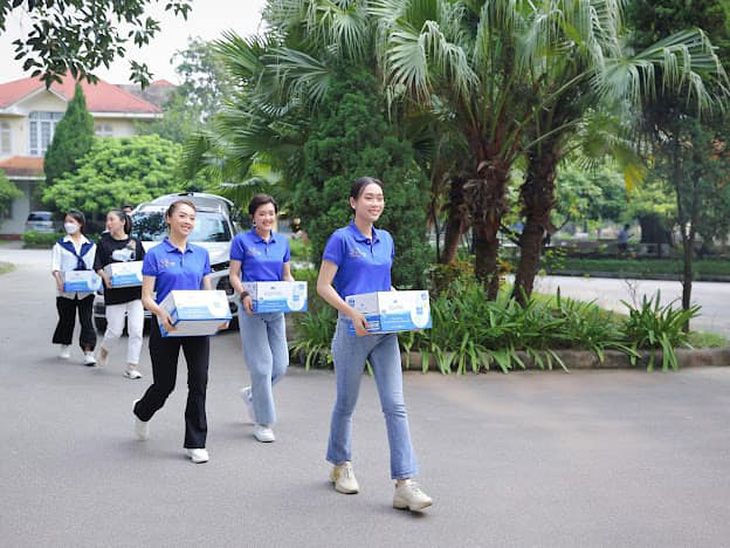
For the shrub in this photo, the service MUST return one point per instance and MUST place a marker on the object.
(40, 240)
(653, 326)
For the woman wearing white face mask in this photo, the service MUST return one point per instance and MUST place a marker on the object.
(74, 252)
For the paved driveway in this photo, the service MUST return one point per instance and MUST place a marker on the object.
(531, 459)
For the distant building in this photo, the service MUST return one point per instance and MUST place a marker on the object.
(28, 116)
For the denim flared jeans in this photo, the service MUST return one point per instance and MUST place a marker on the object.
(350, 353)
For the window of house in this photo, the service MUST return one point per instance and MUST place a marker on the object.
(6, 141)
(103, 130)
(42, 128)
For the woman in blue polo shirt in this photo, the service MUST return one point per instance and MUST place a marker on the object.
(357, 259)
(176, 264)
(261, 255)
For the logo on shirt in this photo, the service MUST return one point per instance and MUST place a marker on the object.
(356, 253)
(253, 252)
(166, 263)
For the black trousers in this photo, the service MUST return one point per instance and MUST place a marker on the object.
(164, 353)
(67, 321)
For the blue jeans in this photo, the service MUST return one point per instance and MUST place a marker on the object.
(263, 337)
(350, 353)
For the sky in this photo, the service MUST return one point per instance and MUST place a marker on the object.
(208, 19)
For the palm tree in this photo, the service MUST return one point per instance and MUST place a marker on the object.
(582, 63)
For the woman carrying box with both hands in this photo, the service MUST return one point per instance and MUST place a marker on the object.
(175, 264)
(115, 246)
(261, 255)
(357, 259)
(74, 252)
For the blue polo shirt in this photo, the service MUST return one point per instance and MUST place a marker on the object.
(363, 265)
(173, 269)
(261, 261)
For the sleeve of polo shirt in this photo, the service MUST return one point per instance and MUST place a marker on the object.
(237, 250)
(334, 251)
(287, 251)
(149, 265)
(206, 266)
(392, 248)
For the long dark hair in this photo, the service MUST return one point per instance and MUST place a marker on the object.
(77, 216)
(360, 183)
(123, 217)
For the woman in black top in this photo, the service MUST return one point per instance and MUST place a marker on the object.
(117, 246)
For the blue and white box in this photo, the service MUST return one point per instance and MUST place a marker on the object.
(124, 274)
(195, 313)
(277, 296)
(81, 281)
(392, 311)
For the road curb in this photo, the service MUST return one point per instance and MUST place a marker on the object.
(613, 359)
(637, 276)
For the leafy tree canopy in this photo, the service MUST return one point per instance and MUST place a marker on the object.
(205, 84)
(79, 36)
(72, 139)
(351, 138)
(115, 171)
(8, 193)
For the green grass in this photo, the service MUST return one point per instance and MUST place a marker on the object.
(639, 266)
(707, 339)
(6, 268)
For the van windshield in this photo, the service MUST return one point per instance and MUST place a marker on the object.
(209, 227)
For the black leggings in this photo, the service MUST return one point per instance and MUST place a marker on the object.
(67, 321)
(164, 353)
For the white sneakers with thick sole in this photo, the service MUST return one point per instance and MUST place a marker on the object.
(65, 352)
(263, 433)
(343, 476)
(409, 496)
(141, 428)
(198, 456)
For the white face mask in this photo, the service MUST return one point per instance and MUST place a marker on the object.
(71, 228)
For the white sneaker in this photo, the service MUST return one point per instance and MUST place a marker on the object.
(410, 496)
(343, 476)
(65, 352)
(89, 360)
(198, 456)
(132, 372)
(102, 357)
(141, 428)
(248, 400)
(263, 433)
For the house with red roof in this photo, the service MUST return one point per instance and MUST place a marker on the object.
(28, 116)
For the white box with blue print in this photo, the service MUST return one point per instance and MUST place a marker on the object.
(81, 281)
(124, 274)
(392, 311)
(277, 296)
(195, 313)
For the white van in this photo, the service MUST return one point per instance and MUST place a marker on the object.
(214, 230)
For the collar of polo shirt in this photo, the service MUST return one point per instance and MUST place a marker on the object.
(360, 237)
(259, 239)
(171, 247)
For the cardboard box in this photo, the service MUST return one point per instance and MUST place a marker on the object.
(195, 313)
(82, 281)
(392, 311)
(126, 274)
(277, 296)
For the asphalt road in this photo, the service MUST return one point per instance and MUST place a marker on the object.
(530, 459)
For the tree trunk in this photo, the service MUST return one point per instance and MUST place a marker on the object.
(457, 220)
(538, 200)
(488, 202)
